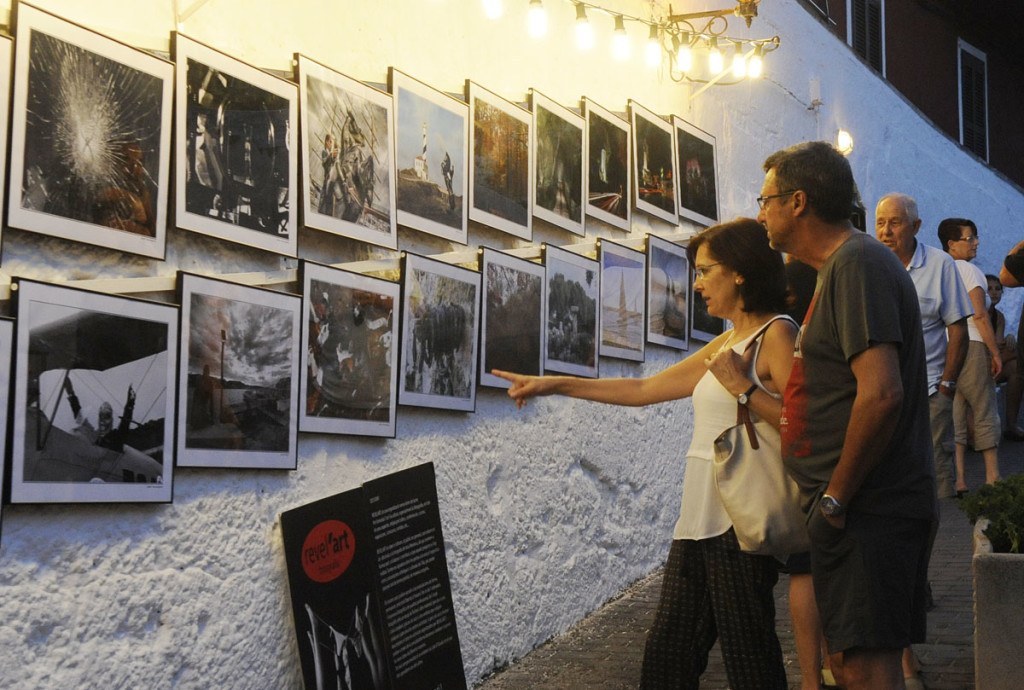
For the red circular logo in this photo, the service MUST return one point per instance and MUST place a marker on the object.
(328, 550)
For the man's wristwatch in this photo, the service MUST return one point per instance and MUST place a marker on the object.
(951, 385)
(744, 398)
(830, 507)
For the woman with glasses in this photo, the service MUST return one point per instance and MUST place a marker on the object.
(711, 589)
(975, 388)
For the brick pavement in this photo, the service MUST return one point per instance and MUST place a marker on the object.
(604, 651)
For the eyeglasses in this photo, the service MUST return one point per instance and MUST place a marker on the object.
(970, 238)
(763, 200)
(702, 271)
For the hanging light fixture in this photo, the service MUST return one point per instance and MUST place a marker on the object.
(684, 54)
(653, 55)
(584, 31)
(739, 61)
(537, 19)
(493, 9)
(756, 63)
(716, 63)
(620, 39)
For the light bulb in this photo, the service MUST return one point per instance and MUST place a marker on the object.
(755, 66)
(584, 31)
(739, 63)
(537, 19)
(715, 60)
(620, 39)
(653, 50)
(493, 9)
(684, 55)
(844, 142)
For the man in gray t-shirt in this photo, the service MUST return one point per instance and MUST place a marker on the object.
(855, 426)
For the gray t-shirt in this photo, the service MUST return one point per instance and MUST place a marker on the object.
(864, 297)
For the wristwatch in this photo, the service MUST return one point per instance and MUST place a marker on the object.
(950, 385)
(744, 398)
(830, 507)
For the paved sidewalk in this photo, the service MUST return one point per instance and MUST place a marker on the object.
(604, 650)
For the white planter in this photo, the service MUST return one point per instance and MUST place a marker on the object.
(998, 615)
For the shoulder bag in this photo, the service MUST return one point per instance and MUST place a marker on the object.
(762, 500)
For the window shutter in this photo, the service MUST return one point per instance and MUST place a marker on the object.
(973, 115)
(867, 31)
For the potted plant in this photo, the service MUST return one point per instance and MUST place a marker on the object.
(997, 511)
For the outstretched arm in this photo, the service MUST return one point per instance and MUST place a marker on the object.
(673, 383)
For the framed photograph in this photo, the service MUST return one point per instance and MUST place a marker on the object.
(6, 352)
(560, 163)
(349, 374)
(501, 167)
(697, 163)
(238, 383)
(94, 397)
(653, 164)
(431, 150)
(608, 175)
(704, 327)
(348, 154)
(90, 136)
(440, 317)
(623, 313)
(235, 149)
(669, 291)
(6, 62)
(571, 324)
(512, 337)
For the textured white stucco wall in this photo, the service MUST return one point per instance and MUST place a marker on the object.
(548, 511)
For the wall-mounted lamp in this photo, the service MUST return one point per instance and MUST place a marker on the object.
(537, 19)
(844, 142)
(584, 31)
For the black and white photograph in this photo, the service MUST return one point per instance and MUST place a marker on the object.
(238, 380)
(653, 161)
(623, 307)
(6, 63)
(560, 163)
(349, 373)
(669, 291)
(6, 352)
(703, 326)
(697, 163)
(235, 149)
(90, 136)
(608, 173)
(348, 153)
(431, 155)
(501, 164)
(94, 396)
(571, 326)
(513, 318)
(440, 334)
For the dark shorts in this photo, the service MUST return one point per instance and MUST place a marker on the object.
(797, 564)
(870, 580)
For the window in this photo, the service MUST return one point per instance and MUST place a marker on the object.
(973, 99)
(865, 31)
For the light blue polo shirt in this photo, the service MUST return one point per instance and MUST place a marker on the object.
(943, 300)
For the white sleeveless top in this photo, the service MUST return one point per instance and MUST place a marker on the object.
(702, 514)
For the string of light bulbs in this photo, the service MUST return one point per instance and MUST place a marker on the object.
(674, 36)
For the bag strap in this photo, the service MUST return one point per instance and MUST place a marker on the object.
(742, 413)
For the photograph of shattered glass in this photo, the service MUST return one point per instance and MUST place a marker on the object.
(91, 137)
